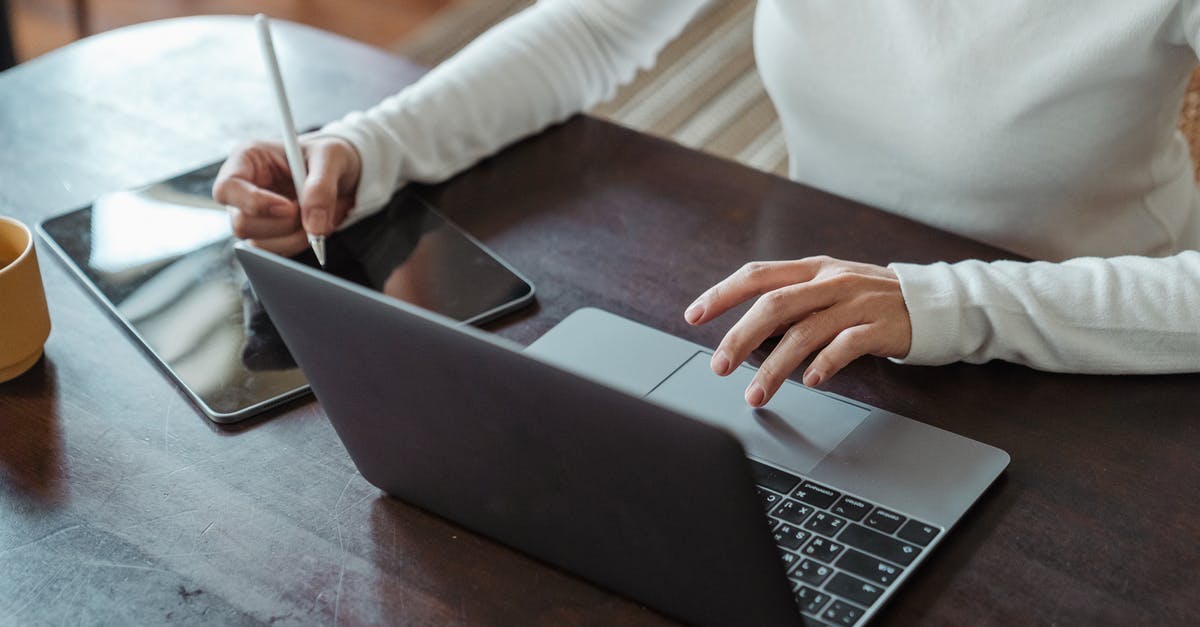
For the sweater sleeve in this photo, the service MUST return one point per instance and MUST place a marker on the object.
(1120, 315)
(535, 69)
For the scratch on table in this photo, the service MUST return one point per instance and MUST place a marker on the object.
(197, 553)
(182, 468)
(337, 599)
(125, 566)
(72, 602)
(206, 458)
(346, 487)
(33, 596)
(13, 549)
(158, 518)
(365, 497)
(116, 485)
(207, 527)
(166, 431)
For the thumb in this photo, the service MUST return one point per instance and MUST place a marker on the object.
(319, 199)
(317, 202)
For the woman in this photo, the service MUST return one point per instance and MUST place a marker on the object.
(1046, 128)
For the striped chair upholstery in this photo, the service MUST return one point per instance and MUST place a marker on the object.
(704, 92)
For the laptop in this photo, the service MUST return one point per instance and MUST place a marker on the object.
(608, 449)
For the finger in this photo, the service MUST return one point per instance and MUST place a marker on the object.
(238, 165)
(319, 196)
(252, 200)
(254, 179)
(797, 343)
(322, 203)
(245, 225)
(849, 345)
(773, 310)
(287, 245)
(751, 280)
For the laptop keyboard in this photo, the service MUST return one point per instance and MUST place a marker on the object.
(843, 553)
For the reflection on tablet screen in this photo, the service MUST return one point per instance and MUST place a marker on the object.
(161, 259)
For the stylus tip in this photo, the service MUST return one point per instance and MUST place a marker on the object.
(318, 246)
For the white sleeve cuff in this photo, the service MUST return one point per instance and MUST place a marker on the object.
(375, 186)
(935, 311)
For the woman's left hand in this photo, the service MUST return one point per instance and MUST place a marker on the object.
(850, 309)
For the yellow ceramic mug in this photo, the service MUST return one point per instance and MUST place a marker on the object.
(24, 318)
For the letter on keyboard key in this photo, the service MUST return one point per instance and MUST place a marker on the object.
(869, 568)
(840, 613)
(811, 601)
(884, 520)
(852, 508)
(823, 549)
(788, 558)
(815, 495)
(790, 511)
(812, 573)
(825, 524)
(790, 537)
(769, 499)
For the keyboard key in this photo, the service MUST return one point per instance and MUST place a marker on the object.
(884, 521)
(840, 613)
(790, 537)
(790, 511)
(918, 532)
(876, 543)
(825, 524)
(811, 601)
(809, 621)
(823, 549)
(811, 573)
(815, 494)
(769, 498)
(855, 589)
(773, 478)
(788, 558)
(852, 508)
(869, 568)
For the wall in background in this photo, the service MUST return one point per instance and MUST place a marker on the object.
(43, 25)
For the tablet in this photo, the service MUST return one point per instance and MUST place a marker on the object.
(160, 258)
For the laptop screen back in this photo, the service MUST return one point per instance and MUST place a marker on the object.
(603, 484)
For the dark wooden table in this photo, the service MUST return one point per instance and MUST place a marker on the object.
(120, 503)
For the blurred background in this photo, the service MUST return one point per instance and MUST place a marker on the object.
(722, 108)
(39, 26)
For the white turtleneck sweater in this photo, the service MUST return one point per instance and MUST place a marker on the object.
(1046, 127)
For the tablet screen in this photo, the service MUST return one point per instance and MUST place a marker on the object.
(161, 259)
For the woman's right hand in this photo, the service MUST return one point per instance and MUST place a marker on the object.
(255, 183)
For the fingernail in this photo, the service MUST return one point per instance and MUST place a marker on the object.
(693, 313)
(755, 395)
(812, 379)
(720, 363)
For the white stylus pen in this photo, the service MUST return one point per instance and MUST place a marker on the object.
(291, 143)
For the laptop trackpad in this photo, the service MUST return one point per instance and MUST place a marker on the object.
(796, 429)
